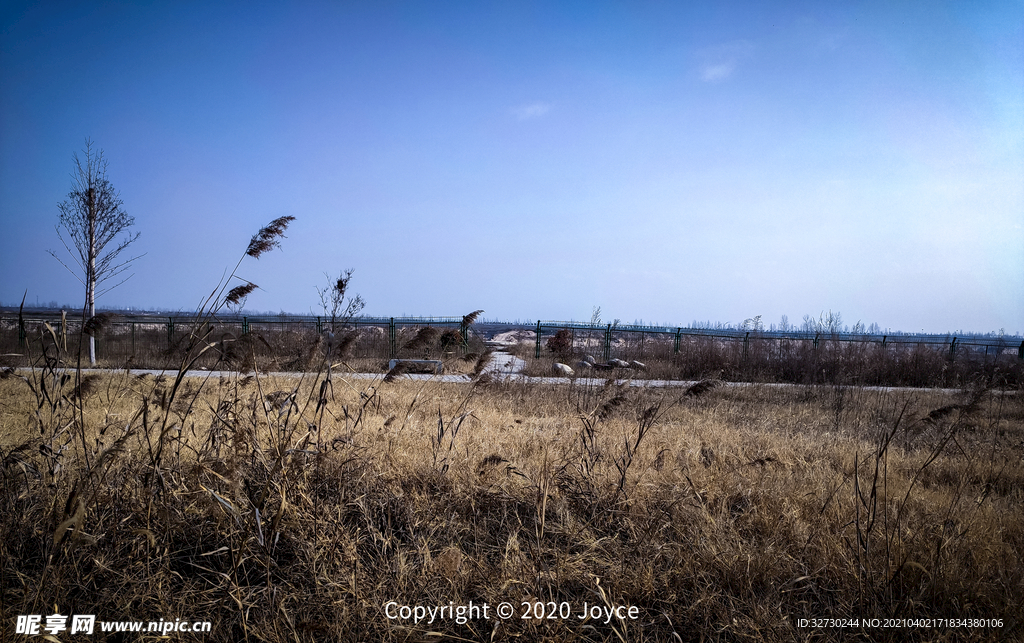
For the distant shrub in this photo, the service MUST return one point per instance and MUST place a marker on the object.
(451, 339)
(561, 343)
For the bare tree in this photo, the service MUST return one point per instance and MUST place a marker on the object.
(92, 218)
(337, 305)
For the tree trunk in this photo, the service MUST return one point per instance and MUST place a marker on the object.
(90, 288)
(92, 337)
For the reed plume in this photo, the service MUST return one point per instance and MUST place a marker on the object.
(268, 237)
(238, 294)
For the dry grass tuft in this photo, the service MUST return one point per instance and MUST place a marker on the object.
(86, 387)
(346, 343)
(400, 368)
(481, 362)
(97, 323)
(450, 339)
(609, 407)
(701, 388)
(425, 338)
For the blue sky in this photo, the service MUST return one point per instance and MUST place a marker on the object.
(665, 161)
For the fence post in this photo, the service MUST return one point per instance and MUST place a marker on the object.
(245, 325)
(21, 333)
(952, 350)
(884, 337)
(675, 344)
(133, 339)
(536, 350)
(608, 343)
(170, 332)
(391, 338)
(746, 344)
(816, 336)
(1020, 351)
(319, 326)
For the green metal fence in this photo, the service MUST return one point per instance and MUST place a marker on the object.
(152, 341)
(608, 334)
(144, 338)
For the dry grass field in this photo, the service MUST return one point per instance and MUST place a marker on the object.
(320, 508)
(313, 509)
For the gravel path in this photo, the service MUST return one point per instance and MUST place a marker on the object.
(507, 367)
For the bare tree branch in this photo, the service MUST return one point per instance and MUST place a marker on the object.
(337, 306)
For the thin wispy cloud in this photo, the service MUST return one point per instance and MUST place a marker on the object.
(531, 110)
(718, 63)
(717, 73)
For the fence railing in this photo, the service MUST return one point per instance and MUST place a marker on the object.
(124, 335)
(607, 332)
(152, 339)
